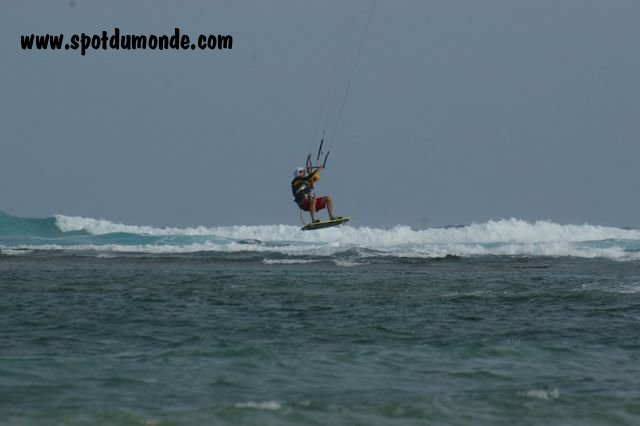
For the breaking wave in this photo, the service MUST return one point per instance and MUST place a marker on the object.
(507, 237)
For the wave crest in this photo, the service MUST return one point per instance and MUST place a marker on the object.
(509, 237)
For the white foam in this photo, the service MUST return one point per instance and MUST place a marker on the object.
(500, 231)
(15, 252)
(631, 288)
(102, 226)
(347, 264)
(511, 237)
(287, 261)
(266, 405)
(544, 394)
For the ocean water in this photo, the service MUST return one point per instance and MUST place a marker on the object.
(506, 322)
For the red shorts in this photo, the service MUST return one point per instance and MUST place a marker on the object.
(321, 203)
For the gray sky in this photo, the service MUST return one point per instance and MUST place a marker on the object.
(458, 112)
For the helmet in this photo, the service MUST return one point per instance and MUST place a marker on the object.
(298, 170)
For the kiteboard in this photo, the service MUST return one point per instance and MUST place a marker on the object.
(325, 224)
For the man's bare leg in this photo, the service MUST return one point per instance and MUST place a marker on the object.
(312, 209)
(330, 208)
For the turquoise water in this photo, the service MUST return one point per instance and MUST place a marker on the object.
(295, 331)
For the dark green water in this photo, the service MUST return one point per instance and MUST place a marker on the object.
(213, 339)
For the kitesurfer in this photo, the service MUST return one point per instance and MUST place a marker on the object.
(304, 197)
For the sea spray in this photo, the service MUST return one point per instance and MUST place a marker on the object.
(507, 237)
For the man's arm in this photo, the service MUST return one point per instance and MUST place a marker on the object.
(309, 177)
